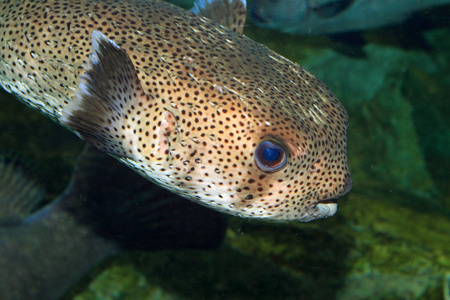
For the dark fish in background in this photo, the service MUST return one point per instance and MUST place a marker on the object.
(316, 17)
(105, 210)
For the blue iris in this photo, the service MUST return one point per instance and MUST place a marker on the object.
(270, 154)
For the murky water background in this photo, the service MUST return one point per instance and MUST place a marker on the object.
(390, 238)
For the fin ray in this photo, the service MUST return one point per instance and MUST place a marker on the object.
(108, 92)
(20, 195)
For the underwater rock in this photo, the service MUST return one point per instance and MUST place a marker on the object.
(446, 283)
(405, 248)
(376, 286)
(428, 94)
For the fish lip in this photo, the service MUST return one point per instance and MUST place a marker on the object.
(327, 201)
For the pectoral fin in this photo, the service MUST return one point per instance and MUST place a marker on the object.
(108, 95)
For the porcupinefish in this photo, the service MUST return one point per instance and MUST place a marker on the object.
(314, 17)
(189, 104)
(44, 252)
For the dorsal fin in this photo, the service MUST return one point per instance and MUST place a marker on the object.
(108, 92)
(229, 13)
(20, 195)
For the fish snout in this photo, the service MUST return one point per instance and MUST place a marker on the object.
(342, 187)
(332, 180)
(325, 207)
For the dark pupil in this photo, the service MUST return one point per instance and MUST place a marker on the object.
(270, 154)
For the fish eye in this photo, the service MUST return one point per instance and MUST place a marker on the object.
(270, 157)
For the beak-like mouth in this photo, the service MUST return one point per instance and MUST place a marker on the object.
(321, 209)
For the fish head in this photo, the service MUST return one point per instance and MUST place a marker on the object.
(268, 154)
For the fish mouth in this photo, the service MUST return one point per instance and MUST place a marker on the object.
(321, 209)
(328, 201)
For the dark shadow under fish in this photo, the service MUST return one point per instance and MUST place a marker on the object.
(105, 210)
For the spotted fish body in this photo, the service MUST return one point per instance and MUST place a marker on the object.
(184, 101)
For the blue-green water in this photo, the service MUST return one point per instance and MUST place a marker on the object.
(391, 236)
